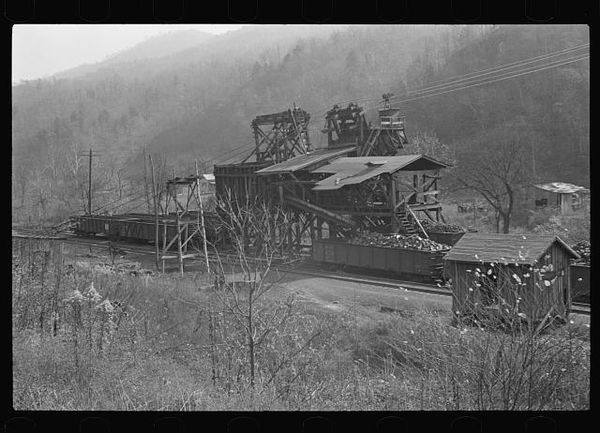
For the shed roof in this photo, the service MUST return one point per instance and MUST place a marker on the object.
(511, 248)
(561, 187)
(352, 171)
(302, 161)
(183, 180)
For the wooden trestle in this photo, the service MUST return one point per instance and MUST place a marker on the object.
(188, 224)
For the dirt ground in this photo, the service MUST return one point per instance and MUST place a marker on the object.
(332, 294)
(364, 300)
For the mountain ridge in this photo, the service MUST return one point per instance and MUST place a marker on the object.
(153, 47)
(198, 103)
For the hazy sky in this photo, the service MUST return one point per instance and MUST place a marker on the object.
(40, 50)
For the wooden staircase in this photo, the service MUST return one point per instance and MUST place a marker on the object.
(405, 225)
(408, 221)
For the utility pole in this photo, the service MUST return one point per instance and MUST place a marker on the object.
(146, 191)
(90, 185)
(178, 222)
(201, 216)
(156, 241)
(90, 155)
(533, 161)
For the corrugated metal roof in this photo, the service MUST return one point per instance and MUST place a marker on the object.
(561, 187)
(352, 171)
(497, 247)
(302, 161)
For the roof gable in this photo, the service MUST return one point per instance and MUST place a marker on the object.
(511, 248)
(355, 170)
(561, 187)
(305, 161)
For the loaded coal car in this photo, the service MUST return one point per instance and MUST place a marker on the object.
(408, 257)
(443, 233)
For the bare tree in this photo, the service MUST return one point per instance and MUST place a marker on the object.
(242, 283)
(119, 176)
(496, 173)
(162, 173)
(21, 181)
(75, 177)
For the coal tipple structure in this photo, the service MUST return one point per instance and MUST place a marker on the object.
(361, 180)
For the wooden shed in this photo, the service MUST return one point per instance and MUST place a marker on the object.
(524, 275)
(565, 197)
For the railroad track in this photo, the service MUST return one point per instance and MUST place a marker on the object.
(576, 307)
(304, 268)
(581, 308)
(105, 243)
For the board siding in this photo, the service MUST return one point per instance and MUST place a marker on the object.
(537, 299)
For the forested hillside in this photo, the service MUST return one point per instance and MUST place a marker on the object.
(550, 108)
(197, 103)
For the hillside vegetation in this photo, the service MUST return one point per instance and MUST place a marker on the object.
(197, 103)
(86, 337)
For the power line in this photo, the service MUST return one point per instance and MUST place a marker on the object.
(133, 200)
(229, 152)
(134, 207)
(495, 74)
(460, 82)
(499, 77)
(128, 194)
(476, 73)
(522, 61)
(429, 92)
(234, 155)
(114, 207)
(496, 79)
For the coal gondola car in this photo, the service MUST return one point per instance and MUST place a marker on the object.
(414, 265)
(119, 227)
(134, 227)
(446, 238)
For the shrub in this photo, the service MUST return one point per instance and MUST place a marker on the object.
(571, 228)
(468, 368)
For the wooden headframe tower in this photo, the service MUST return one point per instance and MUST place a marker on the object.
(388, 136)
(349, 126)
(345, 126)
(280, 136)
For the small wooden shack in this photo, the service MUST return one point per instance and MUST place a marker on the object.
(526, 275)
(565, 197)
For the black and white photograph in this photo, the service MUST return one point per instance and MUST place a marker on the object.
(300, 217)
